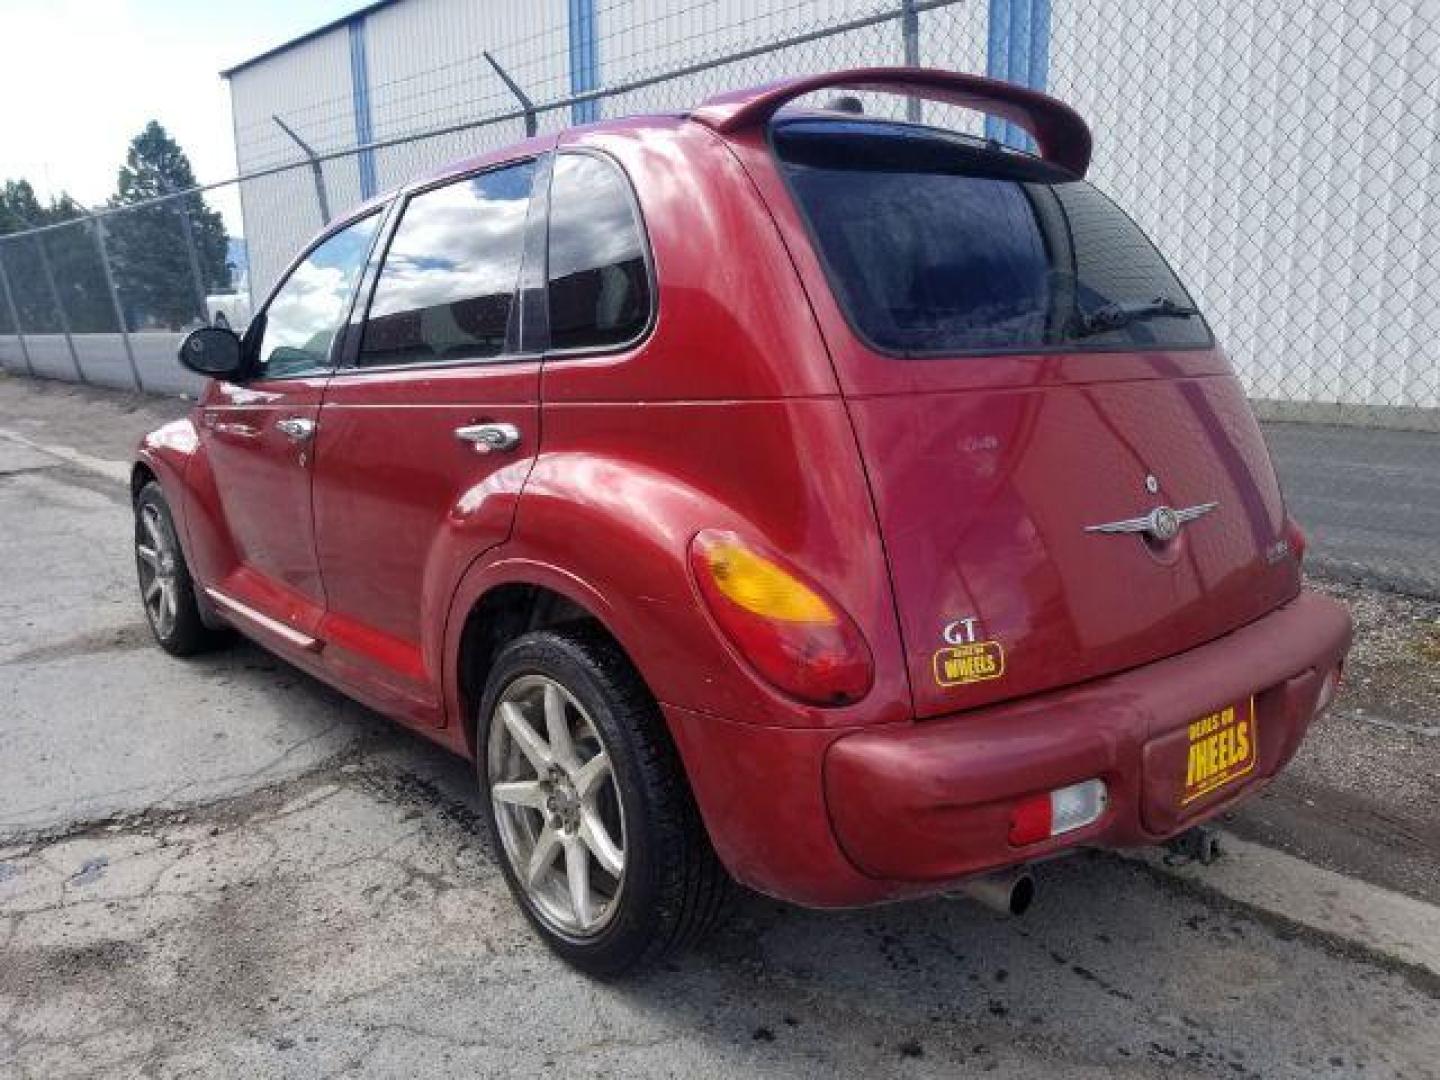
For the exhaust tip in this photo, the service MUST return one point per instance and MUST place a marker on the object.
(1010, 892)
(1022, 894)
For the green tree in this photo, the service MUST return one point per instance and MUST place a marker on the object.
(19, 208)
(152, 263)
(73, 261)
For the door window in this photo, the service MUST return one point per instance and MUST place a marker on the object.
(599, 288)
(446, 291)
(300, 324)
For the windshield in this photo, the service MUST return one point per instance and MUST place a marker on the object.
(937, 244)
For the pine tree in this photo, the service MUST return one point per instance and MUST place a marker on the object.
(152, 260)
(73, 260)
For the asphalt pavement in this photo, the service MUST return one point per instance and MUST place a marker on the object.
(1369, 500)
(222, 867)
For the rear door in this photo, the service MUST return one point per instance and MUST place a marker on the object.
(428, 430)
(258, 436)
(1029, 385)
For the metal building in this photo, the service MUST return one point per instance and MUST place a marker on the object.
(1283, 155)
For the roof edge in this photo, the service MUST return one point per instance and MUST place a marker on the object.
(309, 35)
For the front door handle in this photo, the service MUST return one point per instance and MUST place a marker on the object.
(488, 437)
(298, 428)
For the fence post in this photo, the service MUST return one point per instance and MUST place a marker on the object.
(189, 231)
(526, 105)
(910, 36)
(115, 300)
(15, 317)
(315, 169)
(59, 306)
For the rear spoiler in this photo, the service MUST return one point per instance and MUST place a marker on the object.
(1060, 133)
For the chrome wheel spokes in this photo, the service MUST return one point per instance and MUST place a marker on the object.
(157, 558)
(557, 805)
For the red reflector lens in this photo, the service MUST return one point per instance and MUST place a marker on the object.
(1030, 820)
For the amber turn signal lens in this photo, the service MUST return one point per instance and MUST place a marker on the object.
(796, 638)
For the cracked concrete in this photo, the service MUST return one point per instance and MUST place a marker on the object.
(96, 720)
(349, 923)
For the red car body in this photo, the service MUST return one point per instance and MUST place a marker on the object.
(941, 504)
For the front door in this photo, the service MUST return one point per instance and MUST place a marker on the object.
(259, 442)
(427, 433)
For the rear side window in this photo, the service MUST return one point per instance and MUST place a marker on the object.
(599, 288)
(935, 245)
(447, 288)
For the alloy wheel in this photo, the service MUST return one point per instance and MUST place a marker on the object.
(557, 806)
(158, 560)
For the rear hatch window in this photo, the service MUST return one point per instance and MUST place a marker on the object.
(935, 244)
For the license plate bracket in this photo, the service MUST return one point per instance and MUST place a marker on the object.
(1222, 748)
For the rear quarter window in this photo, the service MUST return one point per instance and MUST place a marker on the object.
(936, 245)
(599, 293)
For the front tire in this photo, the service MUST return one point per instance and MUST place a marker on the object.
(166, 589)
(589, 812)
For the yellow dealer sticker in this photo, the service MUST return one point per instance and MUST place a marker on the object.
(972, 662)
(1222, 749)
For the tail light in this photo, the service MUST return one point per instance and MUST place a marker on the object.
(794, 636)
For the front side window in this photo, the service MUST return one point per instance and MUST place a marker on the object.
(599, 288)
(935, 245)
(303, 317)
(447, 288)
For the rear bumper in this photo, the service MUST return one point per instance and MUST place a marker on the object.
(836, 819)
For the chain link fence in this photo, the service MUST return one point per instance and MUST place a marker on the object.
(1283, 154)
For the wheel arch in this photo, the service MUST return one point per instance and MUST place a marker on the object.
(141, 473)
(502, 601)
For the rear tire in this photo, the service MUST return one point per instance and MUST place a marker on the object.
(577, 766)
(167, 591)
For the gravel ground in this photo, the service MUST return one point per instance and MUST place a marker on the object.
(1360, 796)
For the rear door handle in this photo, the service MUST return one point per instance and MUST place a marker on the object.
(299, 428)
(488, 437)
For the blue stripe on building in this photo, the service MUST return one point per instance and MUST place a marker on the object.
(584, 60)
(360, 89)
(1017, 49)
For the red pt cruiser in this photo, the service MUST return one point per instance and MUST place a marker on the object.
(852, 507)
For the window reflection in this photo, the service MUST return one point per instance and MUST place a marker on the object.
(302, 319)
(448, 283)
(599, 291)
(934, 244)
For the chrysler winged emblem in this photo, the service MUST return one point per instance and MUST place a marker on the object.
(1163, 523)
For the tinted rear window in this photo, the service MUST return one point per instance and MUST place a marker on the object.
(935, 244)
(599, 290)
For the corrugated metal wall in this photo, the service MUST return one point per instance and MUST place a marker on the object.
(1283, 155)
(308, 86)
(426, 71)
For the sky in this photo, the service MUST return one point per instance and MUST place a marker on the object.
(80, 78)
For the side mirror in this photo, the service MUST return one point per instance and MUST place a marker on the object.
(212, 352)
